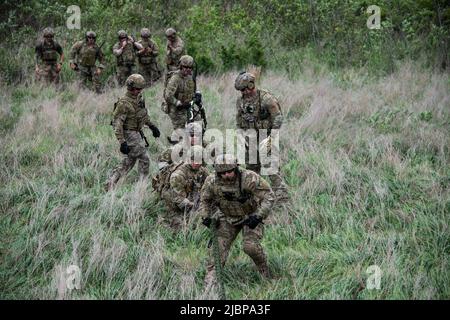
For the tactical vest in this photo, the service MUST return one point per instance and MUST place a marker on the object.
(128, 55)
(253, 114)
(146, 58)
(49, 53)
(88, 55)
(135, 120)
(232, 200)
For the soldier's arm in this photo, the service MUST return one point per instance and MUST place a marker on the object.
(59, 49)
(238, 113)
(138, 46)
(38, 51)
(101, 58)
(74, 51)
(155, 49)
(171, 89)
(179, 194)
(178, 48)
(207, 197)
(260, 188)
(273, 107)
(117, 49)
(119, 117)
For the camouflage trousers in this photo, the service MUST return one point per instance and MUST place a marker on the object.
(123, 72)
(138, 152)
(150, 72)
(226, 234)
(48, 73)
(89, 78)
(179, 117)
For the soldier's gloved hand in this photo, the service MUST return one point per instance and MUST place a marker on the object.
(124, 148)
(206, 222)
(253, 221)
(155, 131)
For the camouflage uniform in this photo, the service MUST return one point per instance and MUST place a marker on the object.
(183, 193)
(178, 95)
(129, 117)
(84, 56)
(47, 51)
(148, 66)
(175, 49)
(261, 111)
(126, 57)
(233, 202)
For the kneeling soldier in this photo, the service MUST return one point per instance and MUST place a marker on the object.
(182, 195)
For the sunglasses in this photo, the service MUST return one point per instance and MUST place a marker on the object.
(189, 68)
(90, 37)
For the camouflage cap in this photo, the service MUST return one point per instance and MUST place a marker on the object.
(91, 34)
(187, 61)
(48, 32)
(145, 33)
(244, 80)
(225, 162)
(170, 32)
(122, 34)
(135, 81)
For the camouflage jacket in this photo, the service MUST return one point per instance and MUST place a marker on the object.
(129, 114)
(259, 112)
(179, 88)
(174, 54)
(248, 194)
(148, 56)
(127, 55)
(86, 55)
(186, 183)
(48, 52)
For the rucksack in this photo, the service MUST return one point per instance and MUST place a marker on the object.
(164, 106)
(161, 182)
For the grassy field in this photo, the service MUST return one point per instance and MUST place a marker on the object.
(366, 160)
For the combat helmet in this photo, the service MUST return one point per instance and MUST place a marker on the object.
(145, 33)
(224, 163)
(187, 61)
(48, 32)
(135, 81)
(244, 80)
(122, 34)
(91, 34)
(170, 32)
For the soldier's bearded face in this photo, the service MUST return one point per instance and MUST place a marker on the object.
(91, 40)
(186, 71)
(135, 91)
(229, 175)
(196, 166)
(246, 92)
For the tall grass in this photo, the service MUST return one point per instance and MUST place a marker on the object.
(366, 161)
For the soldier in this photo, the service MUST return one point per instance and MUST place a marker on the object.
(129, 117)
(125, 50)
(175, 49)
(83, 57)
(47, 51)
(182, 195)
(236, 200)
(148, 66)
(194, 134)
(259, 109)
(179, 94)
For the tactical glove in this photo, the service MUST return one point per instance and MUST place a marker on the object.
(124, 148)
(155, 131)
(253, 221)
(207, 222)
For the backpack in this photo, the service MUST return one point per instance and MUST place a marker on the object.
(161, 182)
